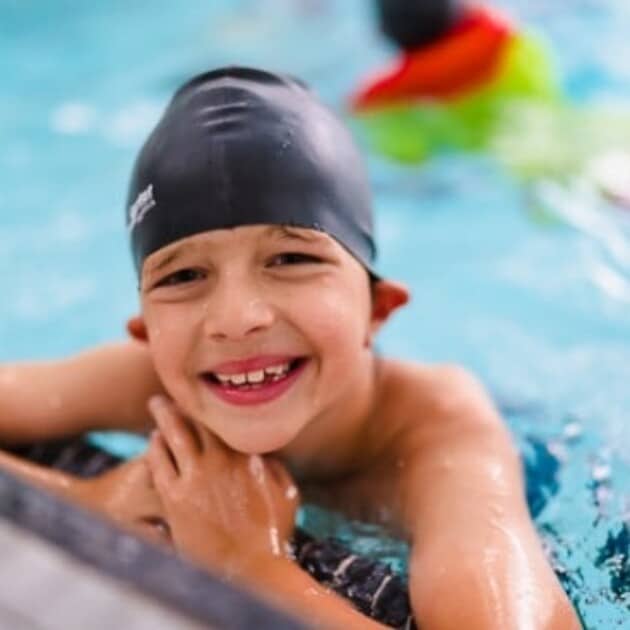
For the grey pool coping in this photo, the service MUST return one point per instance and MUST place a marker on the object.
(77, 558)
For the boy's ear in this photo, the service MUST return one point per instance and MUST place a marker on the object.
(137, 329)
(387, 296)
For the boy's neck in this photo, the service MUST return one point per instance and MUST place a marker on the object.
(334, 444)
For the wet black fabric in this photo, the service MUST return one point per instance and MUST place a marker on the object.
(371, 586)
(75, 456)
(414, 23)
(240, 146)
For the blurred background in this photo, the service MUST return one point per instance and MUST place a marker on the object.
(524, 278)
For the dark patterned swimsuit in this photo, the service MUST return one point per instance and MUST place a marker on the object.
(371, 586)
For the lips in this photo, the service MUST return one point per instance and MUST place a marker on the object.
(254, 381)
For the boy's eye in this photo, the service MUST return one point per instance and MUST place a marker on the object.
(293, 258)
(183, 276)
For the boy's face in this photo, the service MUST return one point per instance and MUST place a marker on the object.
(259, 331)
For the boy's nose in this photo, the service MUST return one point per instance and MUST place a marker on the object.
(237, 310)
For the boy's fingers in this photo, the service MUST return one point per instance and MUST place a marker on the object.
(175, 430)
(163, 467)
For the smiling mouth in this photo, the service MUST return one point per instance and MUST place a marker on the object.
(255, 379)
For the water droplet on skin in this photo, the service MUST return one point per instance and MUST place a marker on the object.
(497, 511)
(257, 470)
(274, 538)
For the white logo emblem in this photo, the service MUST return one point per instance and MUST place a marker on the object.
(141, 207)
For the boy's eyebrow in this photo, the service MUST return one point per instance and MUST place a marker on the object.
(309, 236)
(176, 253)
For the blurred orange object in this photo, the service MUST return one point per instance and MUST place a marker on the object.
(466, 57)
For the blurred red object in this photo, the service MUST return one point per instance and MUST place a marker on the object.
(466, 57)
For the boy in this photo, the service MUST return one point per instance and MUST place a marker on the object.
(250, 224)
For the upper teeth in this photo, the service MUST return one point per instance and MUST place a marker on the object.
(255, 376)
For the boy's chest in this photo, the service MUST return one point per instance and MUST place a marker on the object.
(372, 495)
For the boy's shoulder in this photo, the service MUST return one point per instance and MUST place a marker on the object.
(418, 408)
(412, 395)
(430, 384)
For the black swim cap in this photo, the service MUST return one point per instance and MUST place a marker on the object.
(238, 146)
(415, 23)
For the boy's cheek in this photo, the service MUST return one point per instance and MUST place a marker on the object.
(341, 321)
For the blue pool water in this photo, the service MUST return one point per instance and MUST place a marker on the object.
(538, 308)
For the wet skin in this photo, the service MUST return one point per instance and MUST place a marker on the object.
(419, 446)
(225, 509)
(125, 494)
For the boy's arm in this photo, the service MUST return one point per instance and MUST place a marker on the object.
(476, 560)
(284, 584)
(103, 388)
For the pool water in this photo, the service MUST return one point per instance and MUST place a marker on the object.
(536, 303)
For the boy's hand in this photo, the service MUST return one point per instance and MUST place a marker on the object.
(127, 495)
(124, 494)
(224, 508)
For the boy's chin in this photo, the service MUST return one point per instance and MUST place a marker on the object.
(255, 443)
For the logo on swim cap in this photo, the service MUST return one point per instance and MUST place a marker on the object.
(141, 206)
